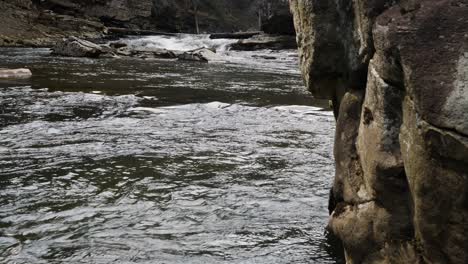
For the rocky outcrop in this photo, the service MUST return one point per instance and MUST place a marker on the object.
(75, 47)
(398, 78)
(121, 13)
(25, 24)
(265, 42)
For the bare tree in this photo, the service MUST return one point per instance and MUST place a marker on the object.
(195, 14)
(266, 8)
(260, 12)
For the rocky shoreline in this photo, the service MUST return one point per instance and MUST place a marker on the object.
(76, 47)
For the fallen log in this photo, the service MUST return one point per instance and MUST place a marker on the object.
(237, 35)
(139, 32)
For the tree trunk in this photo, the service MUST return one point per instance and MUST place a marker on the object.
(195, 14)
(196, 22)
(259, 20)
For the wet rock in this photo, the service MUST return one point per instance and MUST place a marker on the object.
(124, 51)
(202, 55)
(21, 73)
(146, 53)
(117, 45)
(109, 55)
(161, 54)
(265, 42)
(75, 47)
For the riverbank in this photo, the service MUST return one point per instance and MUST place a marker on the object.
(24, 25)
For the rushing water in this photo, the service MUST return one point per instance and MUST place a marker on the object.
(160, 161)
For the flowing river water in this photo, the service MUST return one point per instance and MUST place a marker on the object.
(162, 161)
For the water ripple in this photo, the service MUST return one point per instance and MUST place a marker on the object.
(156, 177)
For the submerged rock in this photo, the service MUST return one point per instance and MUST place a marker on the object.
(265, 42)
(202, 55)
(21, 73)
(75, 47)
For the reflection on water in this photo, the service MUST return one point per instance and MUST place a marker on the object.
(131, 161)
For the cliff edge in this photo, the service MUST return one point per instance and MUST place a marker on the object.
(397, 73)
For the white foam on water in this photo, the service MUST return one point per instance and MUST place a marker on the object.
(278, 61)
(181, 42)
(147, 109)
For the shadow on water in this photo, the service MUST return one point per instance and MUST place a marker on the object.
(133, 161)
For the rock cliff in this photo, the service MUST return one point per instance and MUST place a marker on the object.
(397, 73)
(42, 22)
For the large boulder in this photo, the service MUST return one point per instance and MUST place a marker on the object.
(75, 47)
(401, 185)
(20, 73)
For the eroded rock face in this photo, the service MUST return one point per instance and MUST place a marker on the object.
(398, 76)
(336, 43)
(120, 10)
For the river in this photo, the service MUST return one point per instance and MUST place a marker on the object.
(162, 161)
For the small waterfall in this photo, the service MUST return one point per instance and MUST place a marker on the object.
(281, 61)
(182, 42)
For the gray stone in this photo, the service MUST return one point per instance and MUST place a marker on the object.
(265, 42)
(20, 73)
(400, 193)
(75, 47)
(202, 55)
